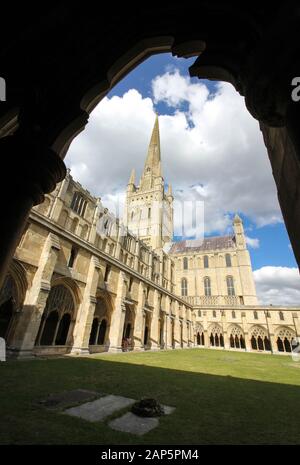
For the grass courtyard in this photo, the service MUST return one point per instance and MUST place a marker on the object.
(221, 397)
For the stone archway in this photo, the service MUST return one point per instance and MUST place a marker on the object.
(128, 328)
(215, 334)
(284, 338)
(57, 320)
(99, 335)
(236, 337)
(259, 338)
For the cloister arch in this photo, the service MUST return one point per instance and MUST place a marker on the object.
(99, 335)
(12, 295)
(284, 338)
(215, 334)
(236, 337)
(200, 338)
(259, 338)
(59, 314)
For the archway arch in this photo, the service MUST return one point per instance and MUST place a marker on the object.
(200, 338)
(12, 296)
(59, 313)
(216, 337)
(236, 337)
(99, 335)
(284, 337)
(259, 338)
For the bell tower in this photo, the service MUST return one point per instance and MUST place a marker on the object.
(148, 209)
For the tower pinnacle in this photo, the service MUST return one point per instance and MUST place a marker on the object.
(153, 161)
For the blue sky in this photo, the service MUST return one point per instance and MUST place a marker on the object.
(212, 151)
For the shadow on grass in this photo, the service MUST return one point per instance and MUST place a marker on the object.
(210, 409)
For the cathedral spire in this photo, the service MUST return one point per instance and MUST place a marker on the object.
(132, 177)
(153, 161)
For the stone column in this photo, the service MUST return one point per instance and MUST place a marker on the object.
(154, 333)
(86, 310)
(118, 316)
(34, 170)
(29, 319)
(139, 319)
(137, 255)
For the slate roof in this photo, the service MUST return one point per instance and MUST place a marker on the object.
(200, 245)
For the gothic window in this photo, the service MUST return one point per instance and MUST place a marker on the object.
(102, 332)
(281, 315)
(255, 314)
(78, 204)
(206, 261)
(228, 260)
(233, 314)
(94, 331)
(56, 320)
(73, 255)
(285, 340)
(185, 263)
(214, 314)
(236, 338)
(107, 273)
(207, 287)
(216, 336)
(8, 302)
(230, 285)
(184, 287)
(74, 225)
(259, 339)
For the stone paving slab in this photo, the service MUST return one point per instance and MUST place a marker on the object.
(67, 399)
(101, 408)
(131, 423)
(168, 410)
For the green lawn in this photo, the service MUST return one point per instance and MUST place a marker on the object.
(221, 397)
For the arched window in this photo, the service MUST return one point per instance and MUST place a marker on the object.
(94, 331)
(56, 320)
(214, 313)
(74, 225)
(72, 257)
(8, 302)
(281, 315)
(230, 285)
(78, 204)
(206, 261)
(255, 314)
(233, 314)
(102, 332)
(207, 288)
(260, 339)
(185, 263)
(63, 329)
(228, 259)
(184, 289)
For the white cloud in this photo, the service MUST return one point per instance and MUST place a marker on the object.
(278, 285)
(212, 149)
(252, 242)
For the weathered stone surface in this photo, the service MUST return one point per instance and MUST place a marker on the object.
(131, 423)
(68, 398)
(101, 408)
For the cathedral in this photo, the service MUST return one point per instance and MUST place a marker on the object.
(83, 281)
